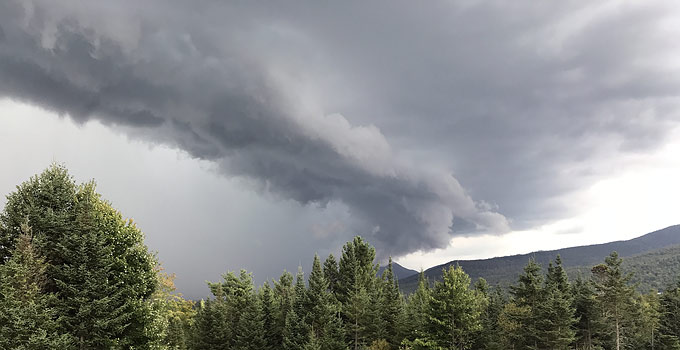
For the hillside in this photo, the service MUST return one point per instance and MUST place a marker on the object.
(399, 271)
(649, 250)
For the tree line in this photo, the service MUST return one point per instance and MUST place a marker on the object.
(75, 274)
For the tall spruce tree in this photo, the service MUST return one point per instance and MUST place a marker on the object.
(356, 290)
(615, 296)
(589, 325)
(284, 296)
(330, 271)
(454, 311)
(392, 311)
(556, 309)
(489, 337)
(97, 264)
(670, 318)
(417, 309)
(296, 331)
(268, 317)
(27, 320)
(527, 298)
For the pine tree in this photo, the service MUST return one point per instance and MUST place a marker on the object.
(268, 317)
(615, 297)
(556, 310)
(356, 289)
(417, 309)
(296, 330)
(235, 297)
(97, 264)
(334, 335)
(670, 318)
(527, 298)
(646, 321)
(589, 325)
(27, 321)
(330, 271)
(454, 310)
(490, 335)
(284, 296)
(392, 309)
(209, 330)
(250, 332)
(313, 342)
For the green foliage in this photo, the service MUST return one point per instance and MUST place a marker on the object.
(454, 313)
(98, 267)
(616, 299)
(27, 320)
(527, 297)
(80, 277)
(557, 310)
(417, 310)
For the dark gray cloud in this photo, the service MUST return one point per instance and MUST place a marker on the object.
(216, 94)
(423, 120)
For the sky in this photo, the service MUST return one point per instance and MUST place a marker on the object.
(252, 135)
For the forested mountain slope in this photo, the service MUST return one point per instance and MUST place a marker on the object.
(398, 270)
(654, 249)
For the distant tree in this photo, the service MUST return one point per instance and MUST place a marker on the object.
(454, 310)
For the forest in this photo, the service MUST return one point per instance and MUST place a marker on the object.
(75, 274)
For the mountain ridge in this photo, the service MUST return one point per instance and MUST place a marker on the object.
(504, 270)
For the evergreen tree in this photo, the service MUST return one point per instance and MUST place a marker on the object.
(334, 335)
(392, 309)
(489, 337)
(356, 290)
(454, 310)
(312, 342)
(250, 332)
(330, 271)
(670, 318)
(27, 321)
(209, 330)
(646, 322)
(527, 299)
(589, 325)
(268, 317)
(615, 297)
(556, 310)
(97, 264)
(417, 309)
(296, 331)
(284, 296)
(235, 297)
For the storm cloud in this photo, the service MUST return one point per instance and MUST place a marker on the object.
(425, 121)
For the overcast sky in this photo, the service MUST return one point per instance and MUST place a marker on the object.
(239, 134)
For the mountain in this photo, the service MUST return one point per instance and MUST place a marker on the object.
(653, 270)
(399, 271)
(505, 270)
